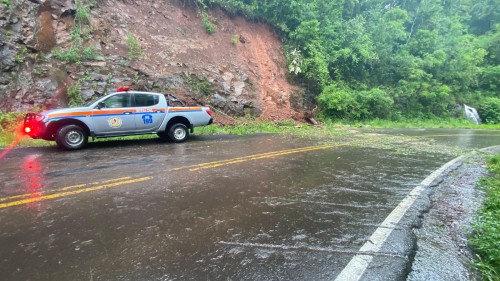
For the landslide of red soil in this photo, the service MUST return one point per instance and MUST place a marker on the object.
(174, 41)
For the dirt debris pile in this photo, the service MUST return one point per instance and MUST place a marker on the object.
(239, 69)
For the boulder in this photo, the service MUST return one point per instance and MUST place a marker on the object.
(238, 87)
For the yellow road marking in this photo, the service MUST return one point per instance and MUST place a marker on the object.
(227, 162)
(61, 189)
(62, 192)
(238, 158)
(68, 193)
(215, 164)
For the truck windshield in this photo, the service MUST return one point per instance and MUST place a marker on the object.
(89, 103)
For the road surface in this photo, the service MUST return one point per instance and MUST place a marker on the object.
(263, 207)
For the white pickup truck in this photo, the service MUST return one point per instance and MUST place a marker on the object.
(122, 113)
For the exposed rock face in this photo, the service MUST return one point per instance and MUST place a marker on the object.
(247, 77)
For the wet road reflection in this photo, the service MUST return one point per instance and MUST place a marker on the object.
(295, 216)
(32, 177)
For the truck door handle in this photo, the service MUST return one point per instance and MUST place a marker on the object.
(127, 112)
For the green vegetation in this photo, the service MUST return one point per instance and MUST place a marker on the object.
(20, 57)
(10, 130)
(6, 3)
(134, 47)
(9, 121)
(234, 39)
(251, 128)
(421, 123)
(199, 86)
(205, 18)
(83, 10)
(80, 33)
(75, 95)
(89, 53)
(490, 110)
(486, 238)
(207, 23)
(71, 55)
(295, 61)
(386, 59)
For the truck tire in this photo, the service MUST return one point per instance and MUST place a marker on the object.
(71, 137)
(178, 133)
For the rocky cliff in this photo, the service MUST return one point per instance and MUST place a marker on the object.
(57, 52)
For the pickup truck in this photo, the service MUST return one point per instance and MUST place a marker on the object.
(122, 113)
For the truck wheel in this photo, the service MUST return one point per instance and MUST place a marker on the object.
(71, 137)
(178, 133)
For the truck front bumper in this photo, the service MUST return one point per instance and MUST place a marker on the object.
(35, 128)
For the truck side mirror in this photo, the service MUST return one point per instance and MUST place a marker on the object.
(101, 105)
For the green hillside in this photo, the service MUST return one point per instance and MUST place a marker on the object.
(365, 59)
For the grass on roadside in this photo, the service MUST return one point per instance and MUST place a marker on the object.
(329, 129)
(486, 237)
(8, 122)
(250, 128)
(426, 123)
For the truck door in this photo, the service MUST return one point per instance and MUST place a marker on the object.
(116, 115)
(148, 115)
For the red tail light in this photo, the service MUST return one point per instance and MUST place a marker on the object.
(27, 130)
(209, 112)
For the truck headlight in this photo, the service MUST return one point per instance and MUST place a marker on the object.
(41, 118)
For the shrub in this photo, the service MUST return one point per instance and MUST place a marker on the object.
(338, 101)
(207, 23)
(70, 55)
(489, 111)
(82, 11)
(200, 86)
(75, 95)
(375, 103)
(90, 53)
(9, 120)
(134, 46)
(234, 39)
(20, 57)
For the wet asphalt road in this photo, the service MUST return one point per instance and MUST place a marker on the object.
(264, 207)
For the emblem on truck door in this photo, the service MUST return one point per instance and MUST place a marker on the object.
(115, 122)
(147, 119)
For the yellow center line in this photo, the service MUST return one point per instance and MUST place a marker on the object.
(61, 189)
(227, 162)
(68, 193)
(82, 188)
(238, 158)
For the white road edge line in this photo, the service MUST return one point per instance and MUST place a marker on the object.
(360, 262)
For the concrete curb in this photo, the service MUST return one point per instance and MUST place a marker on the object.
(357, 267)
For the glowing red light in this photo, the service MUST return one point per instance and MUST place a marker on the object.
(209, 112)
(32, 174)
(123, 89)
(27, 130)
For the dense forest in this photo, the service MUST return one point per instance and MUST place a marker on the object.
(388, 59)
